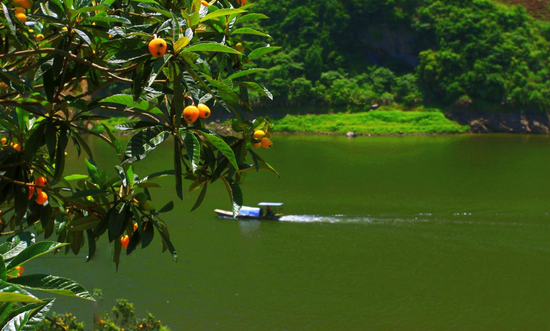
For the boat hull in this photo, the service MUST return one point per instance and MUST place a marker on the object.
(229, 215)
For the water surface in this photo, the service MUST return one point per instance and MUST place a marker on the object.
(381, 233)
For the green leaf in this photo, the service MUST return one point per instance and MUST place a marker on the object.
(126, 56)
(75, 177)
(34, 251)
(258, 88)
(235, 195)
(178, 101)
(134, 125)
(177, 169)
(116, 255)
(193, 147)
(166, 239)
(118, 220)
(84, 223)
(221, 145)
(168, 207)
(192, 19)
(212, 47)
(38, 315)
(5, 309)
(17, 323)
(148, 234)
(53, 284)
(91, 245)
(62, 142)
(222, 12)
(245, 73)
(158, 175)
(258, 52)
(3, 270)
(128, 100)
(156, 8)
(83, 36)
(200, 198)
(83, 144)
(12, 293)
(114, 139)
(249, 31)
(144, 142)
(157, 68)
(261, 164)
(35, 141)
(8, 19)
(181, 43)
(122, 175)
(225, 91)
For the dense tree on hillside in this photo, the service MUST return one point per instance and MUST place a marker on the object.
(407, 51)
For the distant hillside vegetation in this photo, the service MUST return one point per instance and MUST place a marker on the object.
(352, 54)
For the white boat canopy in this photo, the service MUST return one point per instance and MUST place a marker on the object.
(271, 204)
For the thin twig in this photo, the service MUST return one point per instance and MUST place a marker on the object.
(57, 324)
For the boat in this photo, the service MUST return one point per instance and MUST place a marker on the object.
(269, 211)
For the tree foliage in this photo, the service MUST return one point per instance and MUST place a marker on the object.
(65, 63)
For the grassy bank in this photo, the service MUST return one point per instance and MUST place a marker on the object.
(373, 122)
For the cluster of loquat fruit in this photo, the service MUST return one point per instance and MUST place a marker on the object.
(157, 48)
(41, 196)
(20, 11)
(261, 139)
(14, 145)
(192, 113)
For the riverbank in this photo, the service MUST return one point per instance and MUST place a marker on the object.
(376, 122)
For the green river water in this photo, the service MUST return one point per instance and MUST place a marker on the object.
(381, 233)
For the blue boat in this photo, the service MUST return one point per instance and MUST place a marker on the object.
(269, 211)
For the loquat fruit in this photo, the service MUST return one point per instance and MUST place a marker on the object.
(21, 17)
(125, 240)
(239, 47)
(266, 143)
(39, 37)
(259, 134)
(20, 10)
(204, 111)
(157, 47)
(27, 4)
(41, 198)
(190, 114)
(41, 181)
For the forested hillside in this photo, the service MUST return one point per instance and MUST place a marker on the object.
(350, 54)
